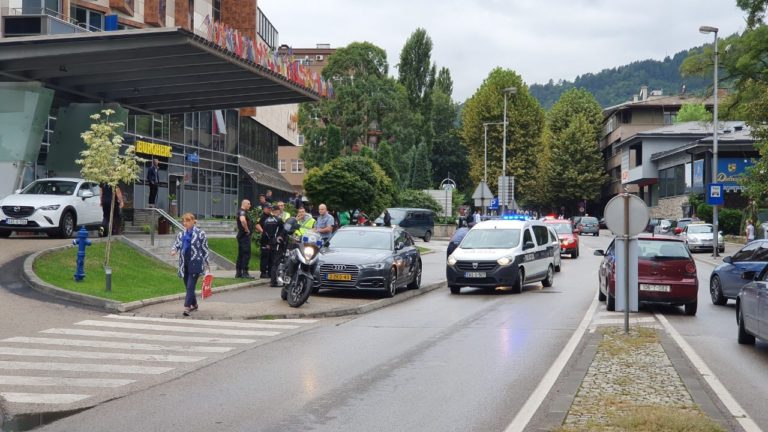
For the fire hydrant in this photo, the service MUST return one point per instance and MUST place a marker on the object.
(81, 241)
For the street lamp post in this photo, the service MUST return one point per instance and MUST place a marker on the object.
(715, 219)
(485, 154)
(507, 90)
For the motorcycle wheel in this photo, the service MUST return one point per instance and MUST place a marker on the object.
(299, 292)
(284, 293)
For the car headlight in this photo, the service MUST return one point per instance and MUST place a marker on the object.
(451, 260)
(504, 261)
(309, 252)
(50, 207)
(375, 266)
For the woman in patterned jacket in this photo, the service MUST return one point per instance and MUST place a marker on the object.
(192, 247)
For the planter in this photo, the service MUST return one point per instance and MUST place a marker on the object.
(173, 209)
(163, 226)
(444, 231)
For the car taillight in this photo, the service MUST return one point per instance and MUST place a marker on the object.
(690, 268)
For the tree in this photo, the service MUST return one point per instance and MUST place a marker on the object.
(572, 103)
(693, 112)
(755, 11)
(526, 122)
(350, 182)
(413, 198)
(576, 169)
(354, 60)
(541, 191)
(386, 161)
(448, 156)
(421, 173)
(444, 82)
(102, 162)
(416, 73)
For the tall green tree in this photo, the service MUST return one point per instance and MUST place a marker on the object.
(448, 155)
(351, 182)
(693, 112)
(444, 82)
(421, 171)
(576, 168)
(572, 103)
(386, 160)
(755, 11)
(355, 60)
(526, 122)
(416, 72)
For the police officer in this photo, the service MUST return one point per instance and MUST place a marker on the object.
(244, 233)
(275, 240)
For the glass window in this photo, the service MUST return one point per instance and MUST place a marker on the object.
(490, 238)
(281, 165)
(542, 235)
(362, 239)
(746, 253)
(527, 237)
(297, 166)
(657, 249)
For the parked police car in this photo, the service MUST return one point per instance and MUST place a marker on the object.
(507, 252)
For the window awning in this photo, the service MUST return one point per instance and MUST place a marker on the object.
(264, 174)
(156, 71)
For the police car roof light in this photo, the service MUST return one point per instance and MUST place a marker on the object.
(515, 217)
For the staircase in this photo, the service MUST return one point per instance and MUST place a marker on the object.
(162, 251)
(218, 227)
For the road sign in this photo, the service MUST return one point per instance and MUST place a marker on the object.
(494, 204)
(637, 214)
(715, 194)
(506, 190)
(482, 195)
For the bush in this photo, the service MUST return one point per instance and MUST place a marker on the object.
(729, 220)
(704, 212)
(418, 199)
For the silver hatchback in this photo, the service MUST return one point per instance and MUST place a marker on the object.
(589, 225)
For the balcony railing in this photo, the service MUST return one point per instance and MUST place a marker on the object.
(40, 21)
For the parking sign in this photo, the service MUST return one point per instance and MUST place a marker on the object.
(715, 194)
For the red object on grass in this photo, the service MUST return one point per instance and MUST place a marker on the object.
(207, 288)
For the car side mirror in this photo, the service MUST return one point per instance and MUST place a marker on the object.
(399, 246)
(749, 275)
(599, 252)
(86, 194)
(528, 245)
(728, 260)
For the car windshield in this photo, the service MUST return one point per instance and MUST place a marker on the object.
(562, 228)
(660, 249)
(396, 215)
(682, 223)
(362, 239)
(50, 187)
(491, 239)
(699, 229)
(588, 220)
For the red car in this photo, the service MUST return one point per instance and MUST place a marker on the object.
(666, 273)
(569, 241)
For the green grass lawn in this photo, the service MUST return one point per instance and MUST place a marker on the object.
(423, 249)
(134, 275)
(227, 247)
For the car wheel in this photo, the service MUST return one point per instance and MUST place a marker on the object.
(610, 304)
(5, 234)
(716, 291)
(427, 236)
(600, 295)
(557, 268)
(416, 283)
(67, 224)
(744, 337)
(455, 289)
(597, 234)
(391, 289)
(690, 308)
(550, 278)
(517, 288)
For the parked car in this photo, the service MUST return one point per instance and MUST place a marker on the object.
(589, 225)
(752, 307)
(726, 282)
(55, 206)
(569, 241)
(652, 223)
(418, 222)
(699, 236)
(681, 224)
(503, 253)
(666, 273)
(555, 241)
(458, 236)
(369, 258)
(575, 222)
(665, 226)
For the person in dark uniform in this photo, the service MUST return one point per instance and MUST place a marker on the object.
(387, 218)
(272, 228)
(266, 255)
(244, 232)
(107, 195)
(153, 178)
(278, 243)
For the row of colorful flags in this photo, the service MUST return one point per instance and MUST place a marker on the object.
(259, 53)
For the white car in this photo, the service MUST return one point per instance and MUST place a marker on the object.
(698, 236)
(55, 206)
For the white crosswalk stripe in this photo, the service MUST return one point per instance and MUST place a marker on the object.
(33, 361)
(145, 336)
(84, 367)
(180, 329)
(117, 345)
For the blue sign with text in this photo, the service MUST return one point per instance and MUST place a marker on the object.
(730, 169)
(494, 204)
(715, 194)
(193, 157)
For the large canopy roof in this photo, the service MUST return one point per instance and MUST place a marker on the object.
(166, 70)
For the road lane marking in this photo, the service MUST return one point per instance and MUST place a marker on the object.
(715, 384)
(63, 382)
(145, 336)
(84, 367)
(97, 355)
(536, 398)
(116, 345)
(43, 398)
(291, 320)
(209, 323)
(138, 326)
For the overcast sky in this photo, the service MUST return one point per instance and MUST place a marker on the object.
(540, 39)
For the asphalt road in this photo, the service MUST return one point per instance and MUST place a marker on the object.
(436, 362)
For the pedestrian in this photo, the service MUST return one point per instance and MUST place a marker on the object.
(325, 222)
(244, 233)
(262, 200)
(284, 215)
(750, 231)
(387, 218)
(107, 204)
(344, 218)
(153, 178)
(192, 247)
(476, 216)
(273, 239)
(306, 223)
(266, 213)
(268, 197)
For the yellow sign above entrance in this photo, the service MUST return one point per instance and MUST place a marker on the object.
(153, 149)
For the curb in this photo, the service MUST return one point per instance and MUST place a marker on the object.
(109, 305)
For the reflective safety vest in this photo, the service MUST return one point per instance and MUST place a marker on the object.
(304, 227)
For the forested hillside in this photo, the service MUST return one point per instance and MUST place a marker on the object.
(617, 85)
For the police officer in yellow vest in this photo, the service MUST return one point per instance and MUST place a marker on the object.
(306, 223)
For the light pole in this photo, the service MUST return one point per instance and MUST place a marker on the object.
(507, 90)
(715, 230)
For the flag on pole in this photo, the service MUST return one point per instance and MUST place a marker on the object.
(207, 288)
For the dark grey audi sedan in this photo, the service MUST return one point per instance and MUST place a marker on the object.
(369, 258)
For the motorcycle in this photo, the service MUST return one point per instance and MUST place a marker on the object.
(296, 271)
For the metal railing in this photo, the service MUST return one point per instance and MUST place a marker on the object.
(178, 225)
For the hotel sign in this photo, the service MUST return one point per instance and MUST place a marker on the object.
(152, 149)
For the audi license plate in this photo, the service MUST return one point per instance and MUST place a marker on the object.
(658, 288)
(474, 274)
(338, 277)
(16, 221)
